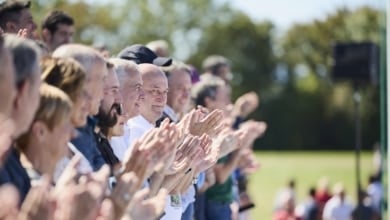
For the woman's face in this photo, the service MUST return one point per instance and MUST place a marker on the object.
(80, 110)
(118, 129)
(57, 138)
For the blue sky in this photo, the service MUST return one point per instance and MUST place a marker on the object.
(284, 13)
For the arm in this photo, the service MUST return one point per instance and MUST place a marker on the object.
(224, 170)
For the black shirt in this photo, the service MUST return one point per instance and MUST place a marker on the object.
(13, 172)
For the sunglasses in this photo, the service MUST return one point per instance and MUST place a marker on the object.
(118, 108)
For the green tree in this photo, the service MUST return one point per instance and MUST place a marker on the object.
(314, 111)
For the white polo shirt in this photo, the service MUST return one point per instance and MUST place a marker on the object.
(133, 129)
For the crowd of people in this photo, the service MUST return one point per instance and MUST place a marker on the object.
(85, 134)
(323, 203)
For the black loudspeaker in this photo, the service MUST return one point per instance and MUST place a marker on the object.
(356, 61)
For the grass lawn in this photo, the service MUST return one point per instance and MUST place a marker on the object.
(306, 168)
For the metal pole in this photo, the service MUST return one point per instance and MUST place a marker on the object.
(358, 138)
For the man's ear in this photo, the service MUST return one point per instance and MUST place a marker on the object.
(11, 27)
(46, 35)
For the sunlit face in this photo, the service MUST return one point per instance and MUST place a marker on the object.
(95, 86)
(155, 98)
(179, 82)
(132, 92)
(111, 92)
(26, 21)
(7, 83)
(63, 35)
(80, 109)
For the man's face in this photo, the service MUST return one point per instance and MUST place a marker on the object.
(111, 95)
(7, 83)
(95, 86)
(80, 109)
(179, 92)
(26, 22)
(63, 35)
(155, 98)
(132, 92)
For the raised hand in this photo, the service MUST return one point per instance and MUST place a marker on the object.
(147, 209)
(38, 203)
(227, 141)
(123, 192)
(252, 130)
(209, 154)
(69, 174)
(188, 150)
(7, 129)
(22, 33)
(82, 200)
(198, 123)
(9, 198)
(246, 104)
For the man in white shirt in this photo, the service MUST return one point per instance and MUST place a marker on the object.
(178, 100)
(338, 208)
(131, 89)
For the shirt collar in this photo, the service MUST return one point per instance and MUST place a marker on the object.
(140, 121)
(171, 113)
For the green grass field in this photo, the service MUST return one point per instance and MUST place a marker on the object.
(306, 168)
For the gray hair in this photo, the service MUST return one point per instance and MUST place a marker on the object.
(124, 68)
(85, 55)
(25, 56)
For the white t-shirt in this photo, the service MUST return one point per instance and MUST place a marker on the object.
(173, 208)
(336, 210)
(120, 144)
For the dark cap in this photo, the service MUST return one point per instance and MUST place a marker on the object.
(141, 54)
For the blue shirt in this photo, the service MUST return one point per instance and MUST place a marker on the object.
(13, 172)
(85, 142)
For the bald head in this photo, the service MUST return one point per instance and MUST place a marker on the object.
(156, 90)
(149, 71)
(96, 70)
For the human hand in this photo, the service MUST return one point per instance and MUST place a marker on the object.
(246, 104)
(198, 123)
(123, 192)
(7, 129)
(22, 33)
(147, 209)
(9, 198)
(188, 152)
(251, 130)
(38, 203)
(83, 200)
(209, 154)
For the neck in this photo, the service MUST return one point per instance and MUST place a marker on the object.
(36, 157)
(150, 119)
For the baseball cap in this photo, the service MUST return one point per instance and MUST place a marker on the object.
(141, 54)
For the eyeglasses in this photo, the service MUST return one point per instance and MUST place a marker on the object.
(118, 108)
(156, 92)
